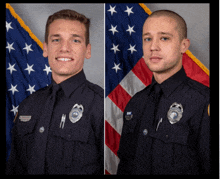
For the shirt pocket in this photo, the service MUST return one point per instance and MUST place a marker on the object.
(74, 146)
(171, 147)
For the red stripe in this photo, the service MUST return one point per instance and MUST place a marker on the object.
(194, 71)
(120, 97)
(112, 138)
(107, 173)
(142, 71)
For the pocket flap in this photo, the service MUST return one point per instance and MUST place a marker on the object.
(174, 134)
(74, 134)
(24, 128)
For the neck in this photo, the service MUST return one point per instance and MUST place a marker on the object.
(60, 78)
(162, 76)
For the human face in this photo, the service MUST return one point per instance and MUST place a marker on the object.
(162, 47)
(66, 48)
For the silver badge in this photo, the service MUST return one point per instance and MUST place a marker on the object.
(76, 113)
(175, 113)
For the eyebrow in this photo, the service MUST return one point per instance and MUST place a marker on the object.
(73, 35)
(162, 33)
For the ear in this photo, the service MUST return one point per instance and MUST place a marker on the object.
(45, 54)
(88, 51)
(184, 45)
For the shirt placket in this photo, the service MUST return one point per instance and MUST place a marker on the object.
(37, 163)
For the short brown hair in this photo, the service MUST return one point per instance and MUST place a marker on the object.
(70, 15)
(181, 24)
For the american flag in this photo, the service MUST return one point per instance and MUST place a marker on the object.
(126, 72)
(26, 69)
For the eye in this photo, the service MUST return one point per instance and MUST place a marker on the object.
(55, 40)
(164, 38)
(147, 39)
(76, 41)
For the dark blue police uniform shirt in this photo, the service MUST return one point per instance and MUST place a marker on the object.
(45, 145)
(165, 148)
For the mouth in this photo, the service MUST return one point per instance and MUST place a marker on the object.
(155, 59)
(64, 59)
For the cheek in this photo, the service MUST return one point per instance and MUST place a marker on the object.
(146, 50)
(171, 52)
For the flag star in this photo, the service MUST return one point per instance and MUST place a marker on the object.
(115, 48)
(29, 68)
(116, 67)
(132, 48)
(13, 89)
(31, 89)
(11, 68)
(15, 109)
(47, 69)
(113, 29)
(112, 10)
(129, 10)
(10, 47)
(130, 29)
(8, 26)
(28, 48)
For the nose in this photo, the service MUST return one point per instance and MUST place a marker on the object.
(65, 46)
(155, 45)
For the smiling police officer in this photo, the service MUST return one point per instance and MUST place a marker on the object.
(60, 128)
(166, 126)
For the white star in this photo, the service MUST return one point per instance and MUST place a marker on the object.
(129, 10)
(28, 48)
(29, 68)
(116, 67)
(11, 68)
(112, 10)
(31, 89)
(13, 89)
(115, 48)
(15, 109)
(113, 29)
(8, 26)
(130, 29)
(10, 47)
(47, 69)
(132, 48)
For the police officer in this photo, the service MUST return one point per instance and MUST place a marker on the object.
(166, 126)
(59, 129)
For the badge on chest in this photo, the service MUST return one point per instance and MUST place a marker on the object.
(76, 113)
(175, 113)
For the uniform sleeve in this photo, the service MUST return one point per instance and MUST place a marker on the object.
(126, 147)
(204, 140)
(14, 165)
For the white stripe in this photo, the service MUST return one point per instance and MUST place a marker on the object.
(113, 115)
(111, 161)
(132, 84)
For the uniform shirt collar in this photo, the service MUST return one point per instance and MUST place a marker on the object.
(169, 85)
(72, 83)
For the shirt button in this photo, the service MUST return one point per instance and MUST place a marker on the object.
(167, 136)
(41, 130)
(69, 137)
(145, 131)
